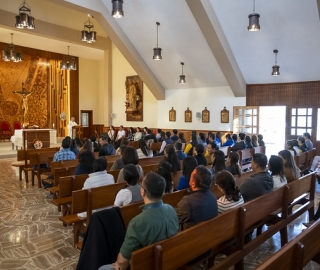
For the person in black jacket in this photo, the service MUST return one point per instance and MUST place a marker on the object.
(106, 149)
(200, 155)
(239, 145)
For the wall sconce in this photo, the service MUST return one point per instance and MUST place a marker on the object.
(24, 19)
(117, 8)
(157, 50)
(68, 62)
(182, 77)
(275, 68)
(88, 34)
(254, 20)
(10, 53)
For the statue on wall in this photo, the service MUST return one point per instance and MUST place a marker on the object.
(134, 98)
(24, 94)
(132, 93)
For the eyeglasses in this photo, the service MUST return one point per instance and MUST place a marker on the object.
(140, 184)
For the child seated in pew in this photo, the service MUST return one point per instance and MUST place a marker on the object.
(275, 167)
(232, 196)
(131, 192)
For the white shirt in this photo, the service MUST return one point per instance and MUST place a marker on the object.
(70, 125)
(111, 134)
(277, 183)
(121, 133)
(123, 197)
(142, 155)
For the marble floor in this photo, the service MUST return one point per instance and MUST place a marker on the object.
(32, 237)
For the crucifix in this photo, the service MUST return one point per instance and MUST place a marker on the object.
(24, 94)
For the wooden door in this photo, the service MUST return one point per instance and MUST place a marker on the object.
(86, 122)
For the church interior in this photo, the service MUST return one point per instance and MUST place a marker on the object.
(210, 64)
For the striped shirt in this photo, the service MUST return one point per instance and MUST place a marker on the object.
(224, 204)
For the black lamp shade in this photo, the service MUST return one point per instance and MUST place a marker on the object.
(275, 70)
(182, 79)
(254, 22)
(30, 22)
(157, 54)
(117, 9)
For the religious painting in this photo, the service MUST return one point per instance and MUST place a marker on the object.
(134, 98)
(225, 115)
(205, 115)
(188, 115)
(172, 115)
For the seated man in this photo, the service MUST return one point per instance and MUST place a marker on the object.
(121, 134)
(201, 204)
(158, 221)
(239, 145)
(65, 153)
(307, 140)
(259, 183)
(180, 154)
(106, 149)
(174, 137)
(150, 137)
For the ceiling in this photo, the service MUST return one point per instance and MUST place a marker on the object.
(209, 36)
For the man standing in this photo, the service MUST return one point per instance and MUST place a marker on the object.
(201, 204)
(120, 135)
(308, 143)
(71, 124)
(261, 182)
(65, 153)
(157, 221)
(106, 149)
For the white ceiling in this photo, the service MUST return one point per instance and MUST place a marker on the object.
(291, 26)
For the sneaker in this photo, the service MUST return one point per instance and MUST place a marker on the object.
(308, 224)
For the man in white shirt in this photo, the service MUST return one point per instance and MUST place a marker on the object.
(120, 135)
(71, 124)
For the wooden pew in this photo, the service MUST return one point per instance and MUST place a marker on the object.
(260, 149)
(150, 161)
(301, 161)
(246, 154)
(155, 147)
(296, 254)
(134, 144)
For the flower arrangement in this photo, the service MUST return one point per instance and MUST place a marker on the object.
(37, 144)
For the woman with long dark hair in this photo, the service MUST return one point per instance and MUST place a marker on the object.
(275, 166)
(165, 169)
(86, 160)
(218, 163)
(171, 157)
(143, 150)
(231, 193)
(289, 147)
(189, 164)
(232, 164)
(290, 169)
(131, 134)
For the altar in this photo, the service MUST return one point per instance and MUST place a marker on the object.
(24, 137)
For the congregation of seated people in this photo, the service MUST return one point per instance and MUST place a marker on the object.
(201, 163)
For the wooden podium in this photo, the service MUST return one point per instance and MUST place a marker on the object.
(28, 135)
(77, 131)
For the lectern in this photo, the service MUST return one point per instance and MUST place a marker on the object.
(77, 131)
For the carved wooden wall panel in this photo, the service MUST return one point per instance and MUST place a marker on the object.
(51, 90)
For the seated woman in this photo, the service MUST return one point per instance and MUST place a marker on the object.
(229, 141)
(191, 146)
(181, 138)
(232, 164)
(118, 164)
(275, 166)
(137, 135)
(189, 164)
(165, 169)
(171, 157)
(124, 141)
(144, 151)
(130, 156)
(289, 147)
(296, 146)
(200, 155)
(247, 142)
(131, 193)
(218, 163)
(111, 134)
(231, 193)
(290, 169)
(85, 166)
(302, 145)
(131, 134)
(254, 140)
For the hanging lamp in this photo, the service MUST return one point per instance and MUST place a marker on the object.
(254, 20)
(275, 68)
(117, 8)
(182, 77)
(157, 50)
(68, 62)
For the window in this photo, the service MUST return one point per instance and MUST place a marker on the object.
(301, 121)
(85, 119)
(245, 119)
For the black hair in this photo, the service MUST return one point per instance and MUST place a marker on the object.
(212, 136)
(225, 180)
(93, 139)
(168, 134)
(260, 137)
(86, 160)
(131, 174)
(104, 138)
(159, 130)
(307, 134)
(219, 163)
(149, 131)
(66, 143)
(164, 170)
(175, 131)
(181, 137)
(202, 137)
(131, 130)
(234, 162)
(242, 136)
(155, 185)
(178, 145)
(291, 144)
(213, 145)
(202, 177)
(200, 149)
(234, 137)
(73, 144)
(261, 160)
(100, 164)
(130, 156)
(143, 146)
(276, 166)
(228, 136)
(172, 158)
(87, 146)
(189, 164)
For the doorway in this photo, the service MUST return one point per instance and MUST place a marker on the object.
(86, 122)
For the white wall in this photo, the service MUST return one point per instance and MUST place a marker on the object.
(197, 99)
(120, 70)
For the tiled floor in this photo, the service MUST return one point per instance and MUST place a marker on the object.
(32, 237)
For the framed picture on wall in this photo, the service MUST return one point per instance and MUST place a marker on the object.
(225, 115)
(205, 115)
(188, 115)
(172, 115)
(134, 98)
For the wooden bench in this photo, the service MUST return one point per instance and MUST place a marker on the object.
(296, 254)
(301, 161)
(156, 146)
(245, 158)
(260, 149)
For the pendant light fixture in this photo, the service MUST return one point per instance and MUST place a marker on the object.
(157, 50)
(254, 20)
(117, 8)
(88, 34)
(182, 77)
(68, 62)
(275, 68)
(24, 19)
(10, 53)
